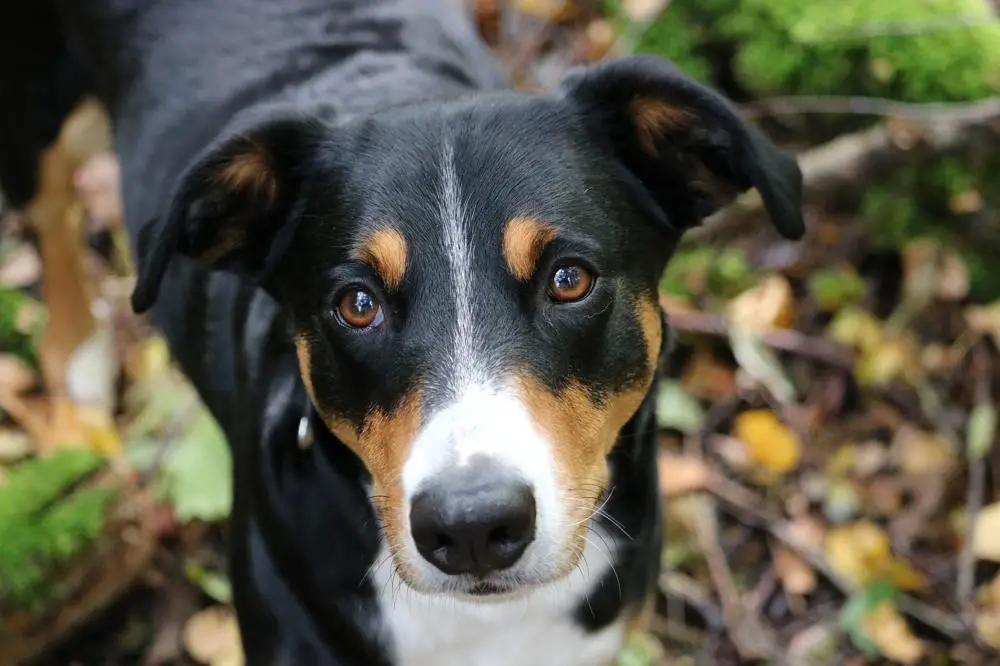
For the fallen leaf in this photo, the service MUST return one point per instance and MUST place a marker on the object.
(795, 573)
(981, 431)
(896, 357)
(842, 501)
(22, 269)
(760, 363)
(988, 627)
(14, 445)
(857, 550)
(917, 452)
(966, 202)
(546, 10)
(986, 533)
(16, 376)
(770, 443)
(706, 378)
(766, 306)
(676, 409)
(856, 327)
(835, 288)
(892, 635)
(211, 636)
(600, 37)
(953, 277)
(643, 10)
(985, 320)
(680, 475)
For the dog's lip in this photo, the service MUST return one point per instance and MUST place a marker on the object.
(485, 588)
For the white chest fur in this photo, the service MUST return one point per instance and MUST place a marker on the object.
(536, 629)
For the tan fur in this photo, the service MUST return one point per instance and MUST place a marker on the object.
(653, 118)
(382, 441)
(524, 240)
(583, 432)
(251, 172)
(385, 251)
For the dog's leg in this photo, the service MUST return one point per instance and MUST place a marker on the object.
(76, 352)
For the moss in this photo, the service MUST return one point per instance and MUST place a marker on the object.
(13, 340)
(904, 49)
(45, 523)
(707, 271)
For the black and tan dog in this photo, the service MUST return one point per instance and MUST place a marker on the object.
(352, 233)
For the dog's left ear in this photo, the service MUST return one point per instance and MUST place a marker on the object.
(232, 208)
(684, 142)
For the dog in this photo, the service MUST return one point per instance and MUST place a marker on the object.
(422, 305)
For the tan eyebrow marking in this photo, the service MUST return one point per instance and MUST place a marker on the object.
(385, 251)
(524, 240)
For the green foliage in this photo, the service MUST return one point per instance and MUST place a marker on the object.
(859, 606)
(198, 473)
(12, 339)
(44, 523)
(924, 50)
(723, 273)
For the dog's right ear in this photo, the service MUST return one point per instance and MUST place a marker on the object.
(230, 209)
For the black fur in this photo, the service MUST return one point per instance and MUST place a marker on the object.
(350, 102)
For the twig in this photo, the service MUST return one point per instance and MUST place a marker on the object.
(873, 106)
(746, 505)
(854, 159)
(677, 585)
(791, 341)
(751, 636)
(976, 488)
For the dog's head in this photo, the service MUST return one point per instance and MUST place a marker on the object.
(473, 287)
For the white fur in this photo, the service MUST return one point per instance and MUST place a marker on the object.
(535, 628)
(495, 424)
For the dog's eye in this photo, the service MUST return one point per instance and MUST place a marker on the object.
(358, 308)
(570, 282)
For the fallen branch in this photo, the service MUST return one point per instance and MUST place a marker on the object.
(854, 159)
(744, 504)
(786, 340)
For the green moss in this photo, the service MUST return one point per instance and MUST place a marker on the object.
(699, 271)
(44, 523)
(12, 339)
(916, 50)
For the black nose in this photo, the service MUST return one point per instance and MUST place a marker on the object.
(475, 522)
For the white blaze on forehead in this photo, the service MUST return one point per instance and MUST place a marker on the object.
(467, 363)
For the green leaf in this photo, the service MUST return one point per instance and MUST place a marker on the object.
(677, 409)
(212, 583)
(641, 650)
(198, 473)
(760, 363)
(858, 607)
(982, 429)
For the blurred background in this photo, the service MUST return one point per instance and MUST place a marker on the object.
(829, 412)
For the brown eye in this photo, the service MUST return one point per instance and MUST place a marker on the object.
(570, 283)
(359, 309)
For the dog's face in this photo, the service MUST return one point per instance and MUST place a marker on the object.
(473, 290)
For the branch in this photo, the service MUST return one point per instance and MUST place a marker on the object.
(854, 159)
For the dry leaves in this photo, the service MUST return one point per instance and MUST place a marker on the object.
(860, 552)
(986, 533)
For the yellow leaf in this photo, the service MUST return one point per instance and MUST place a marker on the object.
(895, 357)
(986, 533)
(769, 305)
(890, 632)
(988, 628)
(902, 575)
(857, 551)
(770, 443)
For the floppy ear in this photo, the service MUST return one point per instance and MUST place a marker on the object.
(230, 209)
(684, 142)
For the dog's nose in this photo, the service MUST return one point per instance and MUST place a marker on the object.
(474, 523)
